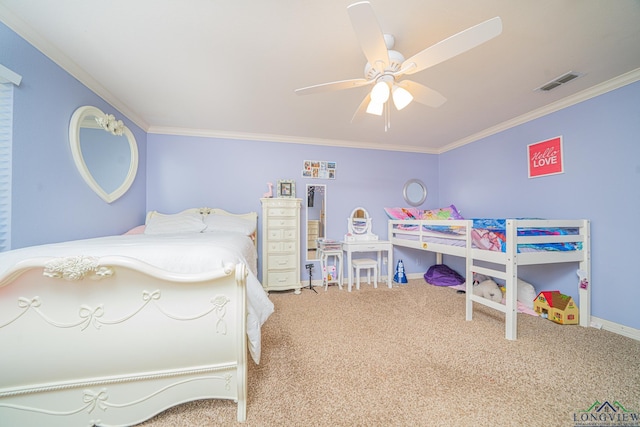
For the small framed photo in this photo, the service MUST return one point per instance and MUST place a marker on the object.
(286, 188)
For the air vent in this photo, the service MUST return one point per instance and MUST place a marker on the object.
(563, 79)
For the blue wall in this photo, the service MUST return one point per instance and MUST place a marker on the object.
(50, 200)
(601, 183)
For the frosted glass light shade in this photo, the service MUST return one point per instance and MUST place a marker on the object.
(401, 97)
(380, 93)
(375, 107)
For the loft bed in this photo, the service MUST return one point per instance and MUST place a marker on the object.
(496, 248)
(113, 330)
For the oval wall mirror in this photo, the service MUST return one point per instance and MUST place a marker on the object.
(104, 151)
(414, 192)
(359, 222)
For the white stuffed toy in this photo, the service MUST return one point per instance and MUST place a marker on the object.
(488, 289)
(526, 291)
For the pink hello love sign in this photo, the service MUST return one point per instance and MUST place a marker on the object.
(545, 157)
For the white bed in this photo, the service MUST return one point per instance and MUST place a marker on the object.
(111, 331)
(418, 234)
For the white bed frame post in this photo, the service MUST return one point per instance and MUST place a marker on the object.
(585, 265)
(511, 271)
(242, 369)
(468, 273)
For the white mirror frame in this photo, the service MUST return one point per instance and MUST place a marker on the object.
(414, 192)
(359, 224)
(109, 124)
(322, 221)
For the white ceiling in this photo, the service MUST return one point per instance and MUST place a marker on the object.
(229, 68)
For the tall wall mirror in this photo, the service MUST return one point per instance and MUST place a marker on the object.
(104, 151)
(316, 218)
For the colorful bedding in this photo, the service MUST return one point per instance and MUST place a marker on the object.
(490, 234)
(441, 214)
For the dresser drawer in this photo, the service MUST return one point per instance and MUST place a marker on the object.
(282, 212)
(284, 278)
(282, 246)
(282, 262)
(282, 234)
(281, 222)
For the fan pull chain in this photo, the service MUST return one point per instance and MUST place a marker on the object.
(387, 116)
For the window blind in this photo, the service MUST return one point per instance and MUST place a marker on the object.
(6, 124)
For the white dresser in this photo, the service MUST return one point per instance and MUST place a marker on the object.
(281, 244)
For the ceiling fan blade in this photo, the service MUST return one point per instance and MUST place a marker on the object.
(369, 34)
(332, 86)
(454, 45)
(362, 109)
(423, 94)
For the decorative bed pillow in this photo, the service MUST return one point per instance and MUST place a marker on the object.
(233, 224)
(403, 213)
(136, 230)
(158, 223)
(450, 212)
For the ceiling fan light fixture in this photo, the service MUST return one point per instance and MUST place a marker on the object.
(401, 97)
(380, 93)
(375, 108)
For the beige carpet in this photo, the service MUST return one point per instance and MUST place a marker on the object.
(406, 357)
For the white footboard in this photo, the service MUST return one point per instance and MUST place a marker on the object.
(114, 341)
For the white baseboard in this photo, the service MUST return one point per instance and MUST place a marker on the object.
(616, 328)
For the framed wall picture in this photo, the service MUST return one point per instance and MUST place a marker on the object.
(319, 169)
(545, 157)
(286, 188)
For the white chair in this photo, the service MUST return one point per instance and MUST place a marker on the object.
(371, 265)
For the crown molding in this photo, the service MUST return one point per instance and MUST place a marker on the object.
(285, 139)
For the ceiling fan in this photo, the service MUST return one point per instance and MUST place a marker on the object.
(385, 67)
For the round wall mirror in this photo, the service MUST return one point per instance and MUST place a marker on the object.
(414, 192)
(104, 151)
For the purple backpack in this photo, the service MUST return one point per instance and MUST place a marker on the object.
(441, 275)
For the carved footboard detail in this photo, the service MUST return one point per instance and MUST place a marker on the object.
(156, 339)
(76, 268)
(94, 315)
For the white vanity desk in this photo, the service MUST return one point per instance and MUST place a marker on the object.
(378, 246)
(360, 239)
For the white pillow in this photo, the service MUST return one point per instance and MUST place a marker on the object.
(158, 223)
(234, 224)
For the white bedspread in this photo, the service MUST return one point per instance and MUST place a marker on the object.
(179, 253)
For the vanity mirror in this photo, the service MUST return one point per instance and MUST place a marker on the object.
(414, 192)
(359, 226)
(104, 151)
(316, 218)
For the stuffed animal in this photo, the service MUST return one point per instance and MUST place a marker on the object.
(270, 192)
(488, 289)
(526, 291)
